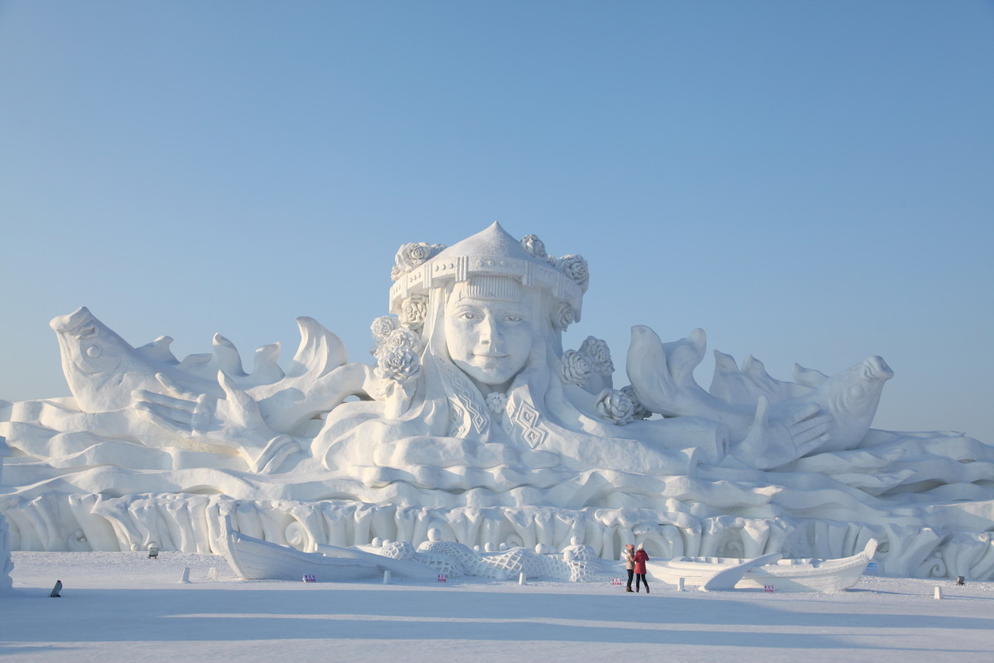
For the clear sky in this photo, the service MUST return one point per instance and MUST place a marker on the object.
(808, 181)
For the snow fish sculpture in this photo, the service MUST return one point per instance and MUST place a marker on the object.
(774, 422)
(102, 369)
(473, 420)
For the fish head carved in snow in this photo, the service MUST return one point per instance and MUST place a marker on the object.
(849, 399)
(89, 348)
(101, 368)
(852, 398)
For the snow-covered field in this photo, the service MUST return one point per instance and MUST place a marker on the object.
(125, 607)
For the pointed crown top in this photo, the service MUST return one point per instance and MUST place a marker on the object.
(419, 267)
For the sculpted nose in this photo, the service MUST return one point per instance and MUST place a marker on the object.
(489, 331)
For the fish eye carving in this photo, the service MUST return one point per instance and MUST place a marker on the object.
(93, 351)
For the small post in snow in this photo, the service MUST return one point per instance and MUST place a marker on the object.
(681, 584)
(937, 593)
(521, 578)
(386, 576)
(185, 578)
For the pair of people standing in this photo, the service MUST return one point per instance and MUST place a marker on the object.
(635, 564)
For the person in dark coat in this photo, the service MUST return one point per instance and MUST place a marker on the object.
(641, 557)
(629, 556)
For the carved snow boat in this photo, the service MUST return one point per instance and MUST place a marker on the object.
(784, 575)
(254, 559)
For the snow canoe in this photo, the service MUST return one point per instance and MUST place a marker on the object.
(254, 559)
(784, 575)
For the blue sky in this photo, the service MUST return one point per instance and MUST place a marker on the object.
(808, 181)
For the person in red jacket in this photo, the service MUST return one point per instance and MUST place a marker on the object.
(641, 557)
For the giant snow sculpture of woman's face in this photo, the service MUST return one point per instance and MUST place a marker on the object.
(488, 330)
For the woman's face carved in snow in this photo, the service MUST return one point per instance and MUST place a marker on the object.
(488, 330)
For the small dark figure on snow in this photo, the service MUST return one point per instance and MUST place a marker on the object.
(57, 590)
(641, 557)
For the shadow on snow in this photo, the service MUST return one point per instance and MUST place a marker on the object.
(348, 612)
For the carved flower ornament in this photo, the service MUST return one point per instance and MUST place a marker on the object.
(615, 406)
(533, 245)
(400, 364)
(575, 267)
(575, 368)
(598, 354)
(413, 311)
(411, 255)
(399, 339)
(397, 354)
(641, 411)
(564, 317)
(382, 326)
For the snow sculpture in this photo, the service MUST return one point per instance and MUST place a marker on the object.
(5, 564)
(474, 421)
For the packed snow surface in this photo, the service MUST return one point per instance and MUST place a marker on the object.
(126, 607)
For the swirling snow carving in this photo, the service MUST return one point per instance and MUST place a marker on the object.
(473, 423)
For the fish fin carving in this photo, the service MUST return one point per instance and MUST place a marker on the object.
(809, 377)
(728, 383)
(158, 350)
(227, 357)
(662, 374)
(198, 364)
(319, 351)
(763, 384)
(685, 355)
(267, 369)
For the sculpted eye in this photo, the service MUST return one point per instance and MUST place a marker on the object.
(467, 315)
(93, 351)
(514, 317)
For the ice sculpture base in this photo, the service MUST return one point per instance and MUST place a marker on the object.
(194, 523)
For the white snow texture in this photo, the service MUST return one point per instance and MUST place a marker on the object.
(474, 420)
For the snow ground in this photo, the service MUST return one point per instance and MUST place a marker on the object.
(125, 607)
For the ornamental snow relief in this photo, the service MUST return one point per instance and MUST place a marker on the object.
(471, 419)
